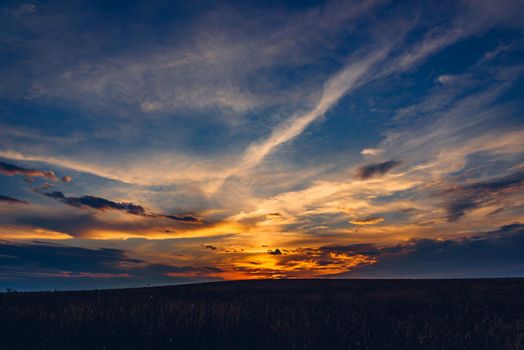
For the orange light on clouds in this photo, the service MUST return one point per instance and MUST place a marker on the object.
(30, 233)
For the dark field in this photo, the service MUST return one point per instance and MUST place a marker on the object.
(283, 314)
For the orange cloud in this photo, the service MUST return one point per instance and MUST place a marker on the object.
(367, 221)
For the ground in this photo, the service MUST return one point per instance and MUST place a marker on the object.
(272, 314)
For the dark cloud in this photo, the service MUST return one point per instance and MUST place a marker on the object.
(371, 170)
(10, 200)
(97, 203)
(464, 198)
(42, 257)
(102, 204)
(184, 218)
(73, 224)
(274, 252)
(372, 220)
(352, 249)
(492, 254)
(11, 170)
(212, 247)
(47, 266)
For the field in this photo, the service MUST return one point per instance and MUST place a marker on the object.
(272, 314)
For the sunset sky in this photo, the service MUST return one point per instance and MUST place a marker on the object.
(163, 142)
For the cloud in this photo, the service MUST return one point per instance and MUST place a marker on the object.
(156, 78)
(348, 78)
(274, 252)
(352, 249)
(367, 221)
(371, 151)
(183, 218)
(41, 265)
(10, 200)
(103, 204)
(216, 64)
(447, 79)
(374, 169)
(149, 170)
(27, 8)
(492, 254)
(324, 260)
(66, 178)
(464, 198)
(97, 203)
(45, 256)
(488, 254)
(11, 170)
(261, 83)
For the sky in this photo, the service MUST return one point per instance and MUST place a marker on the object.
(164, 142)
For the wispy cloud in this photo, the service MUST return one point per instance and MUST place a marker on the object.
(335, 88)
(464, 198)
(214, 66)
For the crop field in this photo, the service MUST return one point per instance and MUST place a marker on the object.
(272, 314)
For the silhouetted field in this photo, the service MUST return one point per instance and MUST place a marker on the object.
(272, 314)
